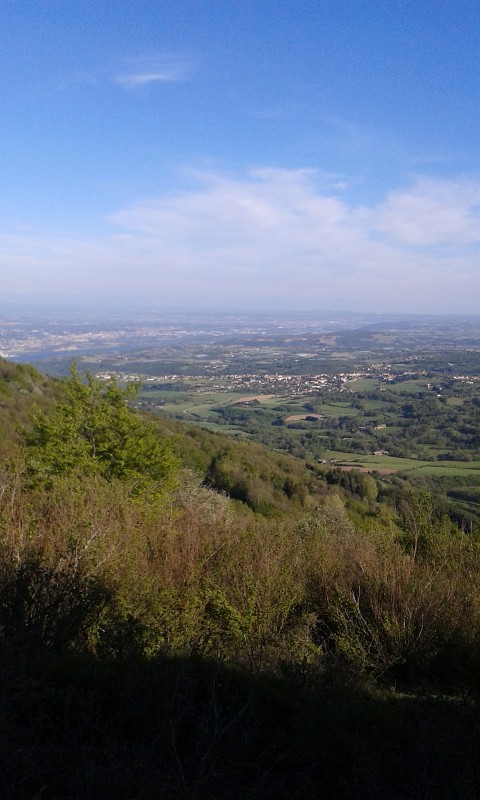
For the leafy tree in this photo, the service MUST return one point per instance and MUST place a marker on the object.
(93, 431)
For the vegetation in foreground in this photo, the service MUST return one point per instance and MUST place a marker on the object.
(160, 639)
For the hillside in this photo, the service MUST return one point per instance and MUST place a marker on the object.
(21, 386)
(269, 482)
(183, 615)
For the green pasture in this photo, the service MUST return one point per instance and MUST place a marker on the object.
(338, 410)
(373, 462)
(364, 385)
(294, 404)
(374, 405)
(217, 398)
(455, 401)
(163, 394)
(453, 468)
(228, 430)
(272, 402)
(408, 387)
(187, 408)
(411, 465)
(199, 403)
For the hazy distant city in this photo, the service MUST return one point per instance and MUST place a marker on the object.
(52, 338)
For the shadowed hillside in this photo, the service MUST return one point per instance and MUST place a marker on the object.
(160, 639)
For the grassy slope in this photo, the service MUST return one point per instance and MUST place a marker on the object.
(21, 389)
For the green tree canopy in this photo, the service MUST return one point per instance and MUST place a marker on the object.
(94, 431)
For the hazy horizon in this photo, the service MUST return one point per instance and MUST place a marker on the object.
(95, 310)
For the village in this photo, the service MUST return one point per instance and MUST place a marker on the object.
(277, 384)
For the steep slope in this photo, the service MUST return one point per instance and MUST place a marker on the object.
(21, 388)
(177, 644)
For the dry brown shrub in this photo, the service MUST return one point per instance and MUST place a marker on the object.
(384, 610)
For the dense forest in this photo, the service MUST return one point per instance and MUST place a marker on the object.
(184, 615)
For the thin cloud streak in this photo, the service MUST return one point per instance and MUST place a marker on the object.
(145, 70)
(142, 79)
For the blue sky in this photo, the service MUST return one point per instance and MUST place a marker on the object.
(241, 153)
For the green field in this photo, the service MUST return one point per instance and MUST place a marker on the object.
(338, 410)
(426, 436)
(408, 387)
(412, 465)
(363, 385)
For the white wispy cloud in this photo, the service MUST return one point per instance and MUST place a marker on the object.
(130, 81)
(146, 70)
(274, 236)
(431, 212)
